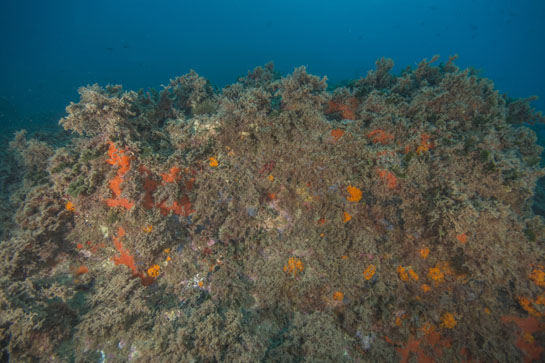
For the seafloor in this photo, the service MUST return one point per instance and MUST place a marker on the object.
(277, 220)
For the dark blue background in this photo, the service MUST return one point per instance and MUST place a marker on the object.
(50, 48)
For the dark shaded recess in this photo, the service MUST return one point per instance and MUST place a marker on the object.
(4, 354)
(539, 197)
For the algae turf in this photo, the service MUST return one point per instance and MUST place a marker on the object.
(280, 220)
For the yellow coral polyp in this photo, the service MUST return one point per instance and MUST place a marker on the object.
(294, 266)
(528, 305)
(529, 338)
(355, 194)
(448, 321)
(436, 275)
(538, 276)
(402, 273)
(424, 252)
(413, 274)
(421, 148)
(540, 300)
(369, 272)
(347, 217)
(154, 271)
(213, 162)
(70, 206)
(425, 287)
(338, 296)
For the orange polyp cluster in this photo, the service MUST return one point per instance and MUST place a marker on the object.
(389, 177)
(380, 136)
(123, 162)
(294, 266)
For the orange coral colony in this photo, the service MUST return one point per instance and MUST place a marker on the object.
(123, 162)
(462, 238)
(124, 258)
(172, 176)
(389, 177)
(82, 270)
(380, 136)
(337, 134)
(182, 208)
(347, 109)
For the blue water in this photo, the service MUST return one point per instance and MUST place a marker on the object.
(50, 48)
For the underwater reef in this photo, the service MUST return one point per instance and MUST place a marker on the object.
(278, 220)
